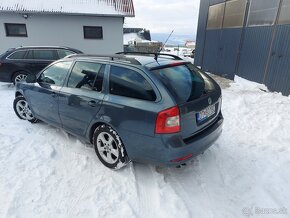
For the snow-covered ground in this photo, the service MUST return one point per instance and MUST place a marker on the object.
(44, 172)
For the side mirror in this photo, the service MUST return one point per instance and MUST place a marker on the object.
(31, 78)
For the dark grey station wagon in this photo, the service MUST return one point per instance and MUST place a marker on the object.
(150, 108)
(17, 63)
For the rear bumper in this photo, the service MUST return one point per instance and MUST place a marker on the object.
(4, 76)
(161, 150)
(194, 145)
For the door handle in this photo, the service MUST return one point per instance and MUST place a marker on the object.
(53, 94)
(93, 103)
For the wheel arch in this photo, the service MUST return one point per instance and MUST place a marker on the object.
(18, 71)
(18, 94)
(99, 123)
(93, 128)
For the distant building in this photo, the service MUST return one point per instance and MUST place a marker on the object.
(94, 26)
(139, 40)
(136, 33)
(248, 38)
(190, 44)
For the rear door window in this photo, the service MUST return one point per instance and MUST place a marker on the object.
(129, 83)
(185, 82)
(87, 75)
(40, 54)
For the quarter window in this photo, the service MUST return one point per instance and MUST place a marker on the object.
(13, 29)
(216, 16)
(263, 12)
(93, 32)
(234, 13)
(55, 74)
(129, 83)
(87, 75)
(17, 55)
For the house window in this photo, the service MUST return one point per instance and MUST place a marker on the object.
(216, 16)
(93, 32)
(285, 15)
(263, 12)
(13, 29)
(234, 13)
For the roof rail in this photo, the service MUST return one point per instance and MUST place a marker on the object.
(114, 57)
(155, 54)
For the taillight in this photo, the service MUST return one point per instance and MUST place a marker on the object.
(182, 158)
(168, 121)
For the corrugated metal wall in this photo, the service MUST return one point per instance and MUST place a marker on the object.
(201, 32)
(260, 54)
(211, 51)
(220, 51)
(254, 53)
(278, 74)
(229, 48)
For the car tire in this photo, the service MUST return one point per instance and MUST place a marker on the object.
(19, 76)
(22, 109)
(109, 147)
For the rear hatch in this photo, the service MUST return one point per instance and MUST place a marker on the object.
(196, 94)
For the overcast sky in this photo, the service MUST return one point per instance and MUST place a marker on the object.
(162, 16)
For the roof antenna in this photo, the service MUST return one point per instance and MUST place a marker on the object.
(166, 41)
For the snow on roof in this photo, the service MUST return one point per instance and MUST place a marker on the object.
(128, 37)
(86, 7)
(131, 37)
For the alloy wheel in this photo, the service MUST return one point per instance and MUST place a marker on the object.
(107, 148)
(20, 77)
(23, 110)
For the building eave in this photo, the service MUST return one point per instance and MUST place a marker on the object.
(65, 13)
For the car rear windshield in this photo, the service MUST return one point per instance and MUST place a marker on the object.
(185, 82)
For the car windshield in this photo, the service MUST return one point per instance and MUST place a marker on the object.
(185, 82)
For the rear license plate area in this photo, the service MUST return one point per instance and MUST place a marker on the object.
(205, 114)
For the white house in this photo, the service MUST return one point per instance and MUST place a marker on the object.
(92, 26)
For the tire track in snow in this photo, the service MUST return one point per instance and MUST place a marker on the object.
(156, 195)
(182, 188)
(149, 199)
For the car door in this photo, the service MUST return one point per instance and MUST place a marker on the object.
(80, 100)
(43, 96)
(130, 103)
